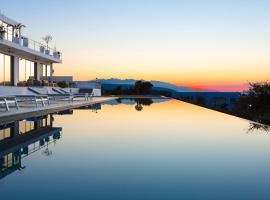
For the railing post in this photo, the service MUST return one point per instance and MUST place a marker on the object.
(48, 99)
(71, 98)
(36, 101)
(41, 98)
(6, 104)
(16, 103)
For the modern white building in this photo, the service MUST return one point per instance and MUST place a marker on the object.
(25, 62)
(89, 87)
(22, 57)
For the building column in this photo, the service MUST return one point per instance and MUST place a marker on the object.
(14, 70)
(50, 74)
(38, 71)
(37, 124)
(15, 130)
(51, 70)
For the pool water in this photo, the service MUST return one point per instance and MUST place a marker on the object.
(166, 150)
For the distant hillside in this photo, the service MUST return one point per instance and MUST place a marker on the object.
(111, 84)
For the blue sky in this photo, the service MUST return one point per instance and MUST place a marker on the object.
(217, 42)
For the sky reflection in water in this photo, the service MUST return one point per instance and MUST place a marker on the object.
(168, 150)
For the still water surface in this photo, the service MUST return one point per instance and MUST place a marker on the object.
(168, 150)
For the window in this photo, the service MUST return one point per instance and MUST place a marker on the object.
(26, 126)
(26, 70)
(4, 133)
(46, 70)
(4, 70)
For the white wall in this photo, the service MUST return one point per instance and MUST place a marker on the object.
(97, 92)
(11, 90)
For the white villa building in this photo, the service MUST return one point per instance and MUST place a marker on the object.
(21, 57)
(29, 64)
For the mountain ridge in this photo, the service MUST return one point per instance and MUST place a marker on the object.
(114, 82)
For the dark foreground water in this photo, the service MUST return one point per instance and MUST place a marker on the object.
(168, 150)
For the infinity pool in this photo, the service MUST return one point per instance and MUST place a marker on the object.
(121, 150)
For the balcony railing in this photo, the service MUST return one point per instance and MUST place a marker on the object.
(7, 34)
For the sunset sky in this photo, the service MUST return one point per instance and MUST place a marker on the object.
(205, 44)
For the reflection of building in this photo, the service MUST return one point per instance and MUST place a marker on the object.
(22, 57)
(94, 107)
(21, 138)
(65, 112)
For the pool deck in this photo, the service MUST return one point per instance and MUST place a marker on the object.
(28, 110)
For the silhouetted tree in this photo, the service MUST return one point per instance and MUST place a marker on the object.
(255, 126)
(200, 101)
(139, 107)
(143, 87)
(117, 90)
(142, 101)
(255, 104)
(62, 84)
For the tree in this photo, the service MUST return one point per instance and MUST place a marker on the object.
(143, 87)
(138, 87)
(142, 101)
(147, 86)
(62, 84)
(117, 90)
(139, 107)
(47, 39)
(255, 103)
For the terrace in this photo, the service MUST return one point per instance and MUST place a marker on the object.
(22, 58)
(12, 41)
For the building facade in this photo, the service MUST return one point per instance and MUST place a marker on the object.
(22, 58)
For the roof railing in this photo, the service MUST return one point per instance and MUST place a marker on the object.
(7, 34)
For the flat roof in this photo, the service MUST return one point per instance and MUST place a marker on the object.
(7, 20)
(11, 48)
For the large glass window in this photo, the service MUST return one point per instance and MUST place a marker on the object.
(48, 70)
(4, 69)
(9, 31)
(8, 161)
(44, 70)
(5, 133)
(26, 126)
(26, 70)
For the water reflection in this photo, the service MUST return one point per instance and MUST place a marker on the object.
(22, 138)
(168, 151)
(226, 102)
(221, 101)
(94, 107)
(141, 102)
(255, 127)
(138, 102)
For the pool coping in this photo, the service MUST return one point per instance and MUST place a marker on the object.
(15, 115)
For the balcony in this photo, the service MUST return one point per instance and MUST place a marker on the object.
(27, 48)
